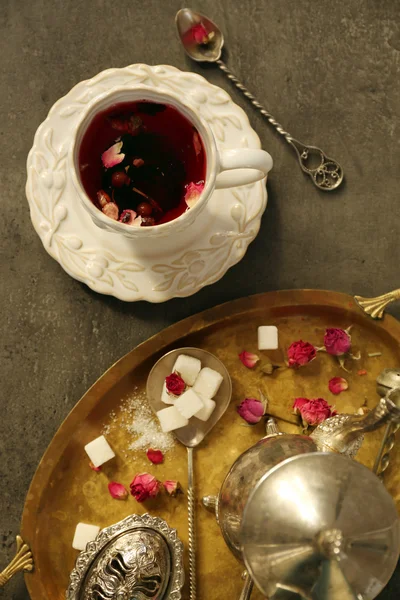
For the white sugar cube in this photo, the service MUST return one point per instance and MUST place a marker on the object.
(84, 534)
(208, 408)
(268, 337)
(208, 382)
(188, 368)
(189, 403)
(167, 398)
(99, 451)
(170, 418)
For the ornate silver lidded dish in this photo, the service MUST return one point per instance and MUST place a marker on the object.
(138, 558)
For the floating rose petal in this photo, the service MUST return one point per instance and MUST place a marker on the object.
(175, 384)
(103, 198)
(337, 341)
(155, 456)
(128, 216)
(138, 162)
(197, 143)
(362, 372)
(113, 156)
(193, 192)
(337, 385)
(249, 359)
(300, 353)
(144, 486)
(132, 125)
(172, 487)
(312, 412)
(91, 465)
(251, 410)
(111, 210)
(117, 490)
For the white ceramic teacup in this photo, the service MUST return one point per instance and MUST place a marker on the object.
(226, 168)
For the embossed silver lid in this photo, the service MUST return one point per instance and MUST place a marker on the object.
(139, 557)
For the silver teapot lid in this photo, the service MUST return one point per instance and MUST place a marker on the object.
(320, 526)
(139, 558)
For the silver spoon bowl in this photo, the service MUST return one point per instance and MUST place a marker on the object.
(194, 433)
(186, 19)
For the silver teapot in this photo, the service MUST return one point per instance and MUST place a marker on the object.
(320, 526)
(341, 434)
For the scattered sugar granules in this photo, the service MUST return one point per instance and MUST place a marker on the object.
(138, 419)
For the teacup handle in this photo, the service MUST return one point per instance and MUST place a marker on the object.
(241, 166)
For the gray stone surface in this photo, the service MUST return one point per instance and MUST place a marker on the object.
(329, 71)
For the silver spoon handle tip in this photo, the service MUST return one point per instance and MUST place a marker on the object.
(327, 175)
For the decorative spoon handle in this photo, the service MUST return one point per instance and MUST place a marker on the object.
(383, 457)
(327, 175)
(247, 587)
(191, 527)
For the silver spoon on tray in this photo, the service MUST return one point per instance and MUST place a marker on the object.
(203, 42)
(194, 433)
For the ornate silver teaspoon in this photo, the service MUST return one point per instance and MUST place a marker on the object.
(194, 433)
(203, 42)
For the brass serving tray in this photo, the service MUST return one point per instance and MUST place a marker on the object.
(65, 490)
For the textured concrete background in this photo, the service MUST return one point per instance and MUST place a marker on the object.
(329, 71)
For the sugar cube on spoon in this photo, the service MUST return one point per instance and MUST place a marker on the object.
(166, 397)
(208, 408)
(189, 403)
(208, 382)
(188, 368)
(170, 419)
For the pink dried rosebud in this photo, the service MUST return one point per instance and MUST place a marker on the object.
(117, 490)
(248, 359)
(128, 216)
(155, 456)
(337, 341)
(103, 198)
(144, 486)
(337, 385)
(199, 33)
(91, 465)
(362, 372)
(251, 410)
(138, 162)
(193, 192)
(113, 156)
(111, 210)
(312, 412)
(172, 487)
(300, 353)
(175, 384)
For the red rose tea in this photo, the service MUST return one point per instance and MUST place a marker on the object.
(142, 163)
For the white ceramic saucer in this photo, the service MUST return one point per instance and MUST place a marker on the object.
(145, 270)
